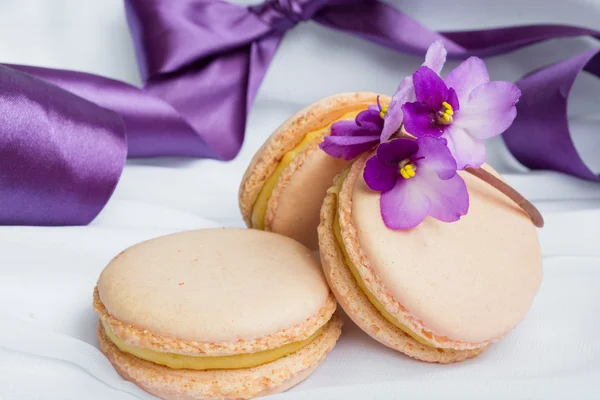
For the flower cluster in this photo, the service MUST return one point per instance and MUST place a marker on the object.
(447, 120)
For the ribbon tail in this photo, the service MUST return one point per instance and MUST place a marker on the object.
(60, 156)
(154, 127)
(539, 137)
(383, 24)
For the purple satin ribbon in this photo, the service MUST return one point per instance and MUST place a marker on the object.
(60, 155)
(202, 62)
(539, 137)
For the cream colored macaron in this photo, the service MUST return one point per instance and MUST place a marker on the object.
(440, 292)
(284, 185)
(215, 314)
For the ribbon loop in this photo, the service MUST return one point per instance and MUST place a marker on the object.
(170, 36)
(540, 138)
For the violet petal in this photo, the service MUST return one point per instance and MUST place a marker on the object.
(449, 198)
(435, 58)
(379, 176)
(394, 117)
(452, 99)
(430, 89)
(490, 109)
(392, 121)
(405, 92)
(348, 128)
(467, 76)
(405, 206)
(370, 119)
(396, 150)
(348, 147)
(434, 155)
(419, 120)
(467, 150)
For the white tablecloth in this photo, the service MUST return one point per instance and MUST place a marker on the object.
(47, 342)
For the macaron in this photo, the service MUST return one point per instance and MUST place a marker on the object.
(215, 314)
(439, 292)
(286, 181)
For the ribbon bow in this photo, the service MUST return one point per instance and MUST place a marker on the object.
(66, 134)
(282, 15)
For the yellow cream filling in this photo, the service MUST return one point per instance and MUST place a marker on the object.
(260, 206)
(337, 231)
(179, 361)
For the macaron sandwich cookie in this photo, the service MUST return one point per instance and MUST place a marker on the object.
(284, 185)
(440, 292)
(215, 314)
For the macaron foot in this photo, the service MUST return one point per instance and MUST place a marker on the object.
(358, 307)
(184, 384)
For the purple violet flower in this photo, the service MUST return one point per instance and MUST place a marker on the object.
(377, 124)
(465, 108)
(417, 178)
(348, 139)
(434, 59)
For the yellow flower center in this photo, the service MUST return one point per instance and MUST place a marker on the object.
(383, 111)
(407, 169)
(444, 117)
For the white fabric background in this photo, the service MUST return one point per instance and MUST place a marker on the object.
(47, 344)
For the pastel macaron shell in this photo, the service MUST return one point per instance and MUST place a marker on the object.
(294, 204)
(216, 293)
(243, 283)
(358, 307)
(459, 286)
(470, 281)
